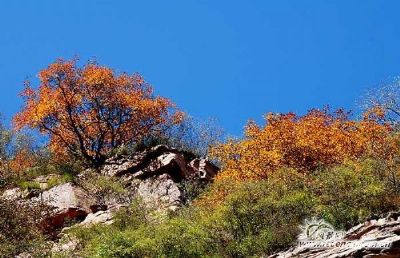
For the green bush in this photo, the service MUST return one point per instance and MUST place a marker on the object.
(130, 235)
(29, 185)
(132, 217)
(181, 237)
(58, 180)
(177, 237)
(260, 217)
(348, 194)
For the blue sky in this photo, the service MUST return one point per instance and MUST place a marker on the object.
(232, 60)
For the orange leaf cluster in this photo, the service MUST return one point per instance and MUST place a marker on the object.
(89, 111)
(21, 161)
(304, 143)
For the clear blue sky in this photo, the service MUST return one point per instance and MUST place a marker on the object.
(233, 60)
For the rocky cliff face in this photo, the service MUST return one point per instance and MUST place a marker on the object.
(373, 238)
(153, 174)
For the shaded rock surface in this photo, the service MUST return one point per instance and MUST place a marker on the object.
(374, 238)
(160, 160)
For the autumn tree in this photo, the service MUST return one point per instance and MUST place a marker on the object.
(88, 111)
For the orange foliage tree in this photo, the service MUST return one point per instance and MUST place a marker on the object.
(90, 110)
(317, 139)
(21, 161)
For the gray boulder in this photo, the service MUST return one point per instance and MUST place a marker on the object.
(160, 192)
(12, 194)
(68, 196)
(69, 202)
(99, 217)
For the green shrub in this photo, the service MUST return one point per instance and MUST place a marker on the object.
(182, 237)
(192, 188)
(127, 243)
(132, 217)
(131, 235)
(29, 185)
(348, 194)
(176, 237)
(58, 180)
(259, 217)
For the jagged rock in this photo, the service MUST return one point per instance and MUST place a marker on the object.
(154, 174)
(160, 192)
(159, 160)
(204, 168)
(374, 238)
(118, 166)
(70, 202)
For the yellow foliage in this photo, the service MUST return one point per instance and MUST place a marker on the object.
(317, 139)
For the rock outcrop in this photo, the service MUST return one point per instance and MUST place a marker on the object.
(153, 174)
(374, 238)
(69, 201)
(157, 161)
(160, 192)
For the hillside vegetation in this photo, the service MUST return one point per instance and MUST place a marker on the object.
(325, 164)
